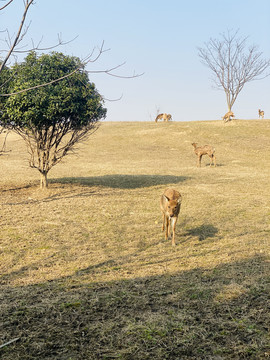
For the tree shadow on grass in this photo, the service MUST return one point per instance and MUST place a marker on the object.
(203, 232)
(192, 314)
(108, 181)
(122, 181)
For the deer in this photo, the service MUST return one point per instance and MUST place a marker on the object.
(170, 204)
(227, 116)
(204, 150)
(261, 114)
(165, 117)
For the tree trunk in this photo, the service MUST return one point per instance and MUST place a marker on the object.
(229, 103)
(43, 180)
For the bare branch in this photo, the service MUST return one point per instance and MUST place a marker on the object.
(28, 3)
(109, 72)
(112, 100)
(87, 60)
(38, 48)
(101, 50)
(3, 7)
(13, 50)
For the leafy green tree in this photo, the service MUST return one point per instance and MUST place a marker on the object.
(52, 119)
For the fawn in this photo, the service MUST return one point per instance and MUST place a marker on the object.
(170, 204)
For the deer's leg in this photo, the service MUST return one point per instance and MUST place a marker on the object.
(199, 160)
(174, 220)
(163, 224)
(166, 230)
(214, 158)
(211, 160)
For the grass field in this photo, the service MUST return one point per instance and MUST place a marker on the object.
(86, 272)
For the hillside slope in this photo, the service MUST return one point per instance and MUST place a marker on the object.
(86, 272)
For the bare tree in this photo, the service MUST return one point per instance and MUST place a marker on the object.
(233, 63)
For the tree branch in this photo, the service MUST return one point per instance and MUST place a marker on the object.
(87, 60)
(3, 7)
(45, 84)
(28, 3)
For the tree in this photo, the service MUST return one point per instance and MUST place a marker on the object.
(51, 119)
(233, 63)
(35, 134)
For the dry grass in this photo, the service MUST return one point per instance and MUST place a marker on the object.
(86, 272)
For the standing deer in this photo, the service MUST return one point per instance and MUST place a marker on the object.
(170, 204)
(204, 150)
(261, 114)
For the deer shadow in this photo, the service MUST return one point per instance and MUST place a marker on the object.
(203, 232)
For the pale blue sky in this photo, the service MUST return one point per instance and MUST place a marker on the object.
(157, 38)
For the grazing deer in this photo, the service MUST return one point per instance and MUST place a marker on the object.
(170, 204)
(227, 116)
(159, 117)
(261, 114)
(168, 117)
(165, 117)
(204, 150)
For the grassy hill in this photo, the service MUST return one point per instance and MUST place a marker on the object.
(86, 272)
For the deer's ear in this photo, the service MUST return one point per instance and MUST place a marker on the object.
(165, 198)
(179, 200)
